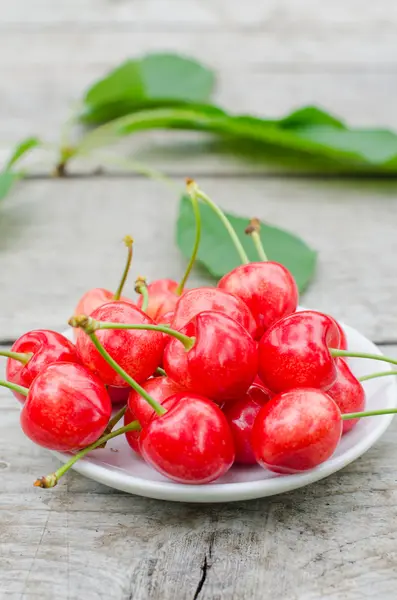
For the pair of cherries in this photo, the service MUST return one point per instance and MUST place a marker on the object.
(246, 379)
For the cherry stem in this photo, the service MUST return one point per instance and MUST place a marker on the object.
(193, 188)
(90, 325)
(375, 375)
(14, 387)
(128, 241)
(160, 410)
(192, 191)
(22, 357)
(346, 353)
(141, 288)
(253, 230)
(369, 413)
(51, 480)
(161, 372)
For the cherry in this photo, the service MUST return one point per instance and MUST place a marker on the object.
(96, 297)
(347, 392)
(34, 351)
(159, 388)
(118, 395)
(133, 436)
(296, 431)
(191, 443)
(241, 415)
(138, 352)
(202, 299)
(162, 298)
(294, 352)
(67, 407)
(221, 363)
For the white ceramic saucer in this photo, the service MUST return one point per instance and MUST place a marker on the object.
(119, 467)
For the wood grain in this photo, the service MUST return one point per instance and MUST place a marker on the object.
(59, 238)
(335, 539)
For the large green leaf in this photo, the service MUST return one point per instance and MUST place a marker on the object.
(218, 255)
(151, 81)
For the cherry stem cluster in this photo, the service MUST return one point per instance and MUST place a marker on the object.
(22, 357)
(192, 191)
(51, 480)
(128, 241)
(195, 191)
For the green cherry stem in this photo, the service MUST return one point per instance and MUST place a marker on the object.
(375, 375)
(141, 288)
(51, 480)
(253, 230)
(347, 354)
(113, 422)
(160, 410)
(22, 357)
(90, 325)
(128, 241)
(161, 372)
(14, 387)
(193, 189)
(369, 413)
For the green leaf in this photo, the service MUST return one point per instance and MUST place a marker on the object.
(21, 149)
(7, 180)
(218, 255)
(152, 81)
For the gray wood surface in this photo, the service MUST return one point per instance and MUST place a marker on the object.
(335, 540)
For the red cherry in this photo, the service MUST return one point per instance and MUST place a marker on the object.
(222, 363)
(132, 436)
(118, 395)
(162, 298)
(190, 443)
(347, 392)
(67, 408)
(202, 299)
(241, 415)
(268, 289)
(46, 347)
(138, 352)
(159, 388)
(95, 298)
(294, 352)
(296, 431)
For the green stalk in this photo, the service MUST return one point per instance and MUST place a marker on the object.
(197, 217)
(369, 413)
(128, 241)
(141, 288)
(22, 357)
(14, 387)
(348, 354)
(375, 375)
(51, 480)
(253, 230)
(194, 190)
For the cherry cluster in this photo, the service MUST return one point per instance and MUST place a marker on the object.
(203, 378)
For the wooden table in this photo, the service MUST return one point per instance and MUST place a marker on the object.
(333, 540)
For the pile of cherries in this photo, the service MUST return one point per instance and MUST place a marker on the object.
(204, 378)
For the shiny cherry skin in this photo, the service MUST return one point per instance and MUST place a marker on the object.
(223, 362)
(241, 415)
(294, 352)
(67, 408)
(159, 388)
(191, 443)
(296, 431)
(132, 437)
(268, 289)
(347, 392)
(47, 347)
(138, 352)
(162, 298)
(202, 299)
(92, 300)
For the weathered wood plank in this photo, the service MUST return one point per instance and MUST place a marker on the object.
(332, 540)
(58, 238)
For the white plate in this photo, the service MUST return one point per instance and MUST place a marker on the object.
(119, 467)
